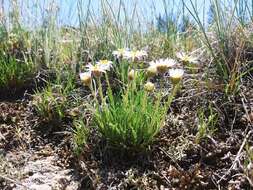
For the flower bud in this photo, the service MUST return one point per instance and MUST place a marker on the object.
(176, 75)
(149, 87)
(151, 71)
(131, 75)
(85, 78)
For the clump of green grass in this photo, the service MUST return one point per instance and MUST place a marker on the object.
(131, 118)
(130, 121)
(80, 135)
(206, 124)
(224, 40)
(52, 102)
(15, 73)
(17, 66)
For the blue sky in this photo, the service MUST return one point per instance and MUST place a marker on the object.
(148, 10)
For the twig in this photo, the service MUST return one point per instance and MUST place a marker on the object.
(173, 160)
(237, 157)
(191, 96)
(12, 180)
(232, 125)
(249, 180)
(2, 137)
(165, 177)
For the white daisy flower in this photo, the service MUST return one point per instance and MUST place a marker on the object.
(135, 55)
(186, 58)
(163, 65)
(106, 64)
(176, 75)
(97, 69)
(119, 53)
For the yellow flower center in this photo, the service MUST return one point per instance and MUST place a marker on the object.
(104, 61)
(133, 54)
(162, 68)
(121, 51)
(177, 75)
(186, 58)
(95, 68)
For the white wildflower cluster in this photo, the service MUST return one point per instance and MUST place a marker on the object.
(95, 70)
(160, 66)
(186, 58)
(134, 55)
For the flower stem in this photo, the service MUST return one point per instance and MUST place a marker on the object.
(172, 95)
(100, 90)
(110, 95)
(93, 91)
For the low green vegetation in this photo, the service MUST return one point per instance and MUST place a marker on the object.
(175, 86)
(15, 73)
(17, 66)
(132, 118)
(81, 133)
(52, 103)
(206, 124)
